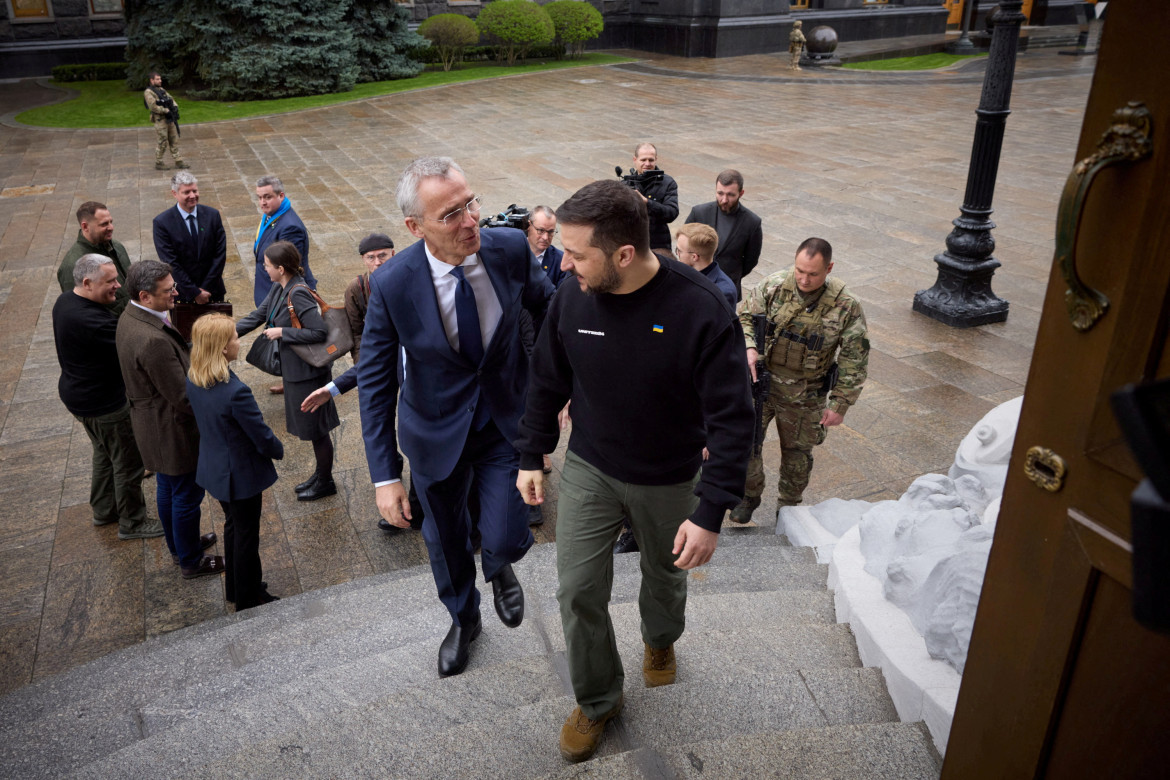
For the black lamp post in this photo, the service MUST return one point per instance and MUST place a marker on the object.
(963, 45)
(962, 295)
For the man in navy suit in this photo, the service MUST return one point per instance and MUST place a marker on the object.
(190, 239)
(452, 303)
(542, 226)
(278, 223)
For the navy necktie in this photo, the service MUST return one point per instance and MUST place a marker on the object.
(193, 231)
(467, 319)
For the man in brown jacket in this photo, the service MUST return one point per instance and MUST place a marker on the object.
(154, 359)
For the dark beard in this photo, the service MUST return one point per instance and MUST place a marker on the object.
(609, 282)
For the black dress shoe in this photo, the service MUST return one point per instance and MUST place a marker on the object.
(308, 483)
(320, 489)
(456, 648)
(232, 597)
(509, 597)
(210, 564)
(389, 528)
(535, 515)
(626, 543)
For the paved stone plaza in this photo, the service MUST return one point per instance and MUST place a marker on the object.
(875, 164)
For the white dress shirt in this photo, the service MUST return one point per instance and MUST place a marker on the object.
(486, 301)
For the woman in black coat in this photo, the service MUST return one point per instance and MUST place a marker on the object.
(282, 262)
(236, 450)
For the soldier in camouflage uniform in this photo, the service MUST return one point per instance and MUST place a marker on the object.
(796, 43)
(165, 126)
(816, 320)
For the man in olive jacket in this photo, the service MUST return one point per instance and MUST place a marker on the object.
(96, 237)
(154, 359)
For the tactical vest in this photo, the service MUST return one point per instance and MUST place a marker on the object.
(804, 342)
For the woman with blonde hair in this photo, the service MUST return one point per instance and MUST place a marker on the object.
(236, 450)
(282, 263)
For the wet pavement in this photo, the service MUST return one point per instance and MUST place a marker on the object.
(874, 163)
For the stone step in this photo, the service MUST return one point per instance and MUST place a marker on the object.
(877, 751)
(416, 738)
(298, 636)
(377, 715)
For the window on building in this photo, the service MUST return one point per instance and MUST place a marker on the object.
(798, 4)
(30, 10)
(106, 7)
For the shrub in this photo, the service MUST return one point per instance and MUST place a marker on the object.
(98, 71)
(516, 25)
(450, 35)
(576, 22)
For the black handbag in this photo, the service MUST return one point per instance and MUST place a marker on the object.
(338, 339)
(265, 355)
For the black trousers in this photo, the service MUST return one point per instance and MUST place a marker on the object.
(241, 544)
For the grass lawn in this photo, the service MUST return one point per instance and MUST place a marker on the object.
(110, 104)
(923, 62)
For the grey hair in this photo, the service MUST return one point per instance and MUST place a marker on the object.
(182, 179)
(412, 176)
(548, 212)
(268, 180)
(643, 145)
(87, 267)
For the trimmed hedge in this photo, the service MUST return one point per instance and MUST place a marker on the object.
(576, 23)
(450, 35)
(99, 71)
(431, 56)
(516, 25)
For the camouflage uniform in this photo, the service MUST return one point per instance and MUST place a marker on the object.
(167, 132)
(810, 329)
(795, 46)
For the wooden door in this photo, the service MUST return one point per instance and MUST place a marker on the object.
(955, 17)
(1061, 681)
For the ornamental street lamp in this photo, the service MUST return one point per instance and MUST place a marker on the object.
(962, 295)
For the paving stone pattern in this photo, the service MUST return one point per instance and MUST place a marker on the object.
(877, 166)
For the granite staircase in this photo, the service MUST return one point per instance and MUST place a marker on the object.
(342, 683)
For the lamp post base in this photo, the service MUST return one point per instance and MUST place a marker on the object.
(962, 296)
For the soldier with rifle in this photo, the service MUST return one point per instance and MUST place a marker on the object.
(164, 115)
(817, 358)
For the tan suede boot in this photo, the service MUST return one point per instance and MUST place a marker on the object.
(658, 666)
(581, 735)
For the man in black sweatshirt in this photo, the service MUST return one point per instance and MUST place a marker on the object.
(92, 389)
(650, 355)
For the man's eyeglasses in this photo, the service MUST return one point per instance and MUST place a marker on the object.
(544, 232)
(471, 207)
(678, 252)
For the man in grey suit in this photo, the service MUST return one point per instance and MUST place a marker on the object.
(154, 360)
(740, 235)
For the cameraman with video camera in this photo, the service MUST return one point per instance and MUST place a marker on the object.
(658, 190)
(164, 114)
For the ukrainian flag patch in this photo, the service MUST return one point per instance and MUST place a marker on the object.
(657, 328)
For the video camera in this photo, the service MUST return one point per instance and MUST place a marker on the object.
(514, 217)
(639, 181)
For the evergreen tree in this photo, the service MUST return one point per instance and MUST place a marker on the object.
(156, 39)
(382, 41)
(256, 49)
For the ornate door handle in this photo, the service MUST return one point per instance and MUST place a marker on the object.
(1126, 140)
(1045, 468)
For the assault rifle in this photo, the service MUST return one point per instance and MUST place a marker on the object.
(763, 328)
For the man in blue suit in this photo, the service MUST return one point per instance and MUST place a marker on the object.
(452, 302)
(278, 222)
